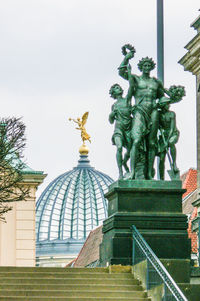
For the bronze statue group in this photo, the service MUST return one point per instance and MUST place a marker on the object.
(148, 128)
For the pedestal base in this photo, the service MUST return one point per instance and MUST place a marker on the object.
(155, 208)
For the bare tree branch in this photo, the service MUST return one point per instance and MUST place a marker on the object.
(12, 144)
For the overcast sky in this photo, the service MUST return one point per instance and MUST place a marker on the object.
(58, 59)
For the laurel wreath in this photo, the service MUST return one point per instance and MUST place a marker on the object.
(128, 47)
(176, 93)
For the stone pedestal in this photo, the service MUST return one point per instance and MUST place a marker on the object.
(155, 208)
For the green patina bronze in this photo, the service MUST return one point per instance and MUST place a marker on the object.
(168, 138)
(121, 115)
(137, 127)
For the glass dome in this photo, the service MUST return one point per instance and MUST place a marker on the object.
(70, 207)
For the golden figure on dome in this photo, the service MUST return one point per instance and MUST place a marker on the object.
(84, 135)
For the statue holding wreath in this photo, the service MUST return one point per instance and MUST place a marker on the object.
(149, 95)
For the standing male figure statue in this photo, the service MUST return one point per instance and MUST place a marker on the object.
(121, 115)
(169, 134)
(168, 138)
(146, 90)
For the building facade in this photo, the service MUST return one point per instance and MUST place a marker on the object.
(191, 62)
(17, 235)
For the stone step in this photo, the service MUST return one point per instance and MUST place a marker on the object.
(65, 275)
(77, 294)
(13, 298)
(68, 281)
(67, 284)
(71, 287)
(53, 270)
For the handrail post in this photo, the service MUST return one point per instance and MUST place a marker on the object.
(133, 250)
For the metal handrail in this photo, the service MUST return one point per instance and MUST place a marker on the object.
(158, 266)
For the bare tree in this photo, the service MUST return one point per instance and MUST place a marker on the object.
(12, 144)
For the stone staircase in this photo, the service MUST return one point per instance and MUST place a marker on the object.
(69, 284)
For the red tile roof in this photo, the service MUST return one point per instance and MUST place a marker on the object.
(90, 250)
(189, 180)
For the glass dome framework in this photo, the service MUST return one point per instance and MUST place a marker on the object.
(72, 205)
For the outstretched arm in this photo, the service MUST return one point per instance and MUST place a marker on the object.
(163, 101)
(131, 86)
(123, 72)
(75, 121)
(161, 90)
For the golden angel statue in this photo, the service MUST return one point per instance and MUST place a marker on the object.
(81, 126)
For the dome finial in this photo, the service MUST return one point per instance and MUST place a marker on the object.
(83, 150)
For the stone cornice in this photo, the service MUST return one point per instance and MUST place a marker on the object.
(33, 178)
(191, 60)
